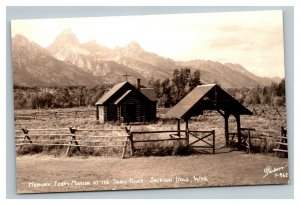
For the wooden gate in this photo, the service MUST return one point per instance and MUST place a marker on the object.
(203, 140)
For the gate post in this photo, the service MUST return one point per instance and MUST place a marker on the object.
(26, 131)
(178, 127)
(187, 132)
(238, 127)
(26, 136)
(130, 137)
(124, 149)
(226, 116)
(73, 139)
(214, 142)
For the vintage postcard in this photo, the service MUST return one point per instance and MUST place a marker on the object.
(149, 102)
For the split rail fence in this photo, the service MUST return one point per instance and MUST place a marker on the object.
(41, 115)
(72, 137)
(266, 141)
(267, 110)
(122, 138)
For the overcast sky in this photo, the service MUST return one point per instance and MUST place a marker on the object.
(252, 39)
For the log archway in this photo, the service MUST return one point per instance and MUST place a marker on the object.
(209, 97)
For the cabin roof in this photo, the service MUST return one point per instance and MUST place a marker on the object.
(110, 93)
(122, 97)
(146, 92)
(149, 93)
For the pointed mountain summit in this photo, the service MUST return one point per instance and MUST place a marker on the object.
(66, 37)
(132, 49)
(66, 47)
(34, 66)
(90, 57)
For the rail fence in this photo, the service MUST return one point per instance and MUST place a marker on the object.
(122, 138)
(264, 111)
(258, 110)
(72, 137)
(44, 115)
(263, 141)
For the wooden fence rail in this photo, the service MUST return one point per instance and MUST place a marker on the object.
(173, 136)
(157, 131)
(54, 114)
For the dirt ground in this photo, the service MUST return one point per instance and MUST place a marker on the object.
(42, 173)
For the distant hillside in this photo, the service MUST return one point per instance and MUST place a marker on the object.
(228, 75)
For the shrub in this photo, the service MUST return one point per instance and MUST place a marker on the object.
(30, 149)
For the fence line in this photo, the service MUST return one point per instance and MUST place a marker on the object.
(247, 139)
(54, 114)
(134, 134)
(102, 130)
(68, 145)
(157, 131)
(260, 110)
(49, 129)
(31, 135)
(173, 137)
(82, 137)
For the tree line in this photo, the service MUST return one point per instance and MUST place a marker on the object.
(270, 95)
(171, 90)
(56, 97)
(168, 91)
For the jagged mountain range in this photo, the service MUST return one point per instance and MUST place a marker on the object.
(68, 62)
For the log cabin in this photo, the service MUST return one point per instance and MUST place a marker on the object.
(126, 103)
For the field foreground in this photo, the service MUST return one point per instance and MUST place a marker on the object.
(40, 173)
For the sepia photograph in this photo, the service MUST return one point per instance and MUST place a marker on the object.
(149, 102)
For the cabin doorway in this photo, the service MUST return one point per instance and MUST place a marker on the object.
(131, 112)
